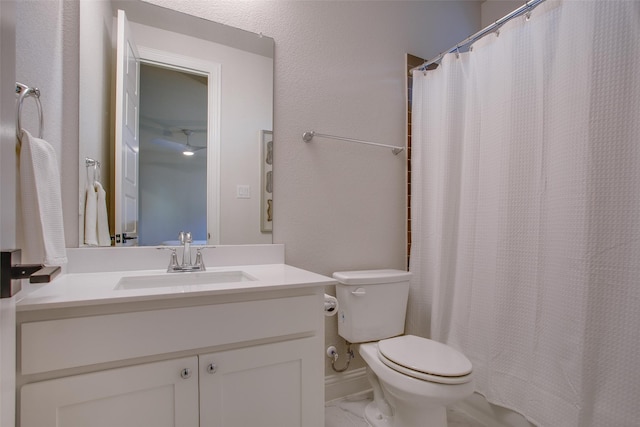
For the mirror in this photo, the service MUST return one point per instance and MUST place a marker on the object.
(223, 193)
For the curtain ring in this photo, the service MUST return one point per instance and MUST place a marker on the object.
(457, 51)
(527, 14)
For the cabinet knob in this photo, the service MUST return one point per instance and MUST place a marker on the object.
(212, 368)
(185, 373)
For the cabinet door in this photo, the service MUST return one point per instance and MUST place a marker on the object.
(156, 394)
(272, 385)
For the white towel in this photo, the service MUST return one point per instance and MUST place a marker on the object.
(41, 198)
(91, 216)
(104, 237)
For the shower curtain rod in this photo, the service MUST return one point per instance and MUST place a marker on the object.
(524, 9)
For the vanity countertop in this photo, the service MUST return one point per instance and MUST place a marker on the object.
(83, 289)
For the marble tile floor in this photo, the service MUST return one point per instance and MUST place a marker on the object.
(349, 412)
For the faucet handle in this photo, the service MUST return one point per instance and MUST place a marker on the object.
(199, 260)
(173, 261)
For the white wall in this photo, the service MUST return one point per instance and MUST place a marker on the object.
(8, 159)
(339, 69)
(8, 177)
(492, 10)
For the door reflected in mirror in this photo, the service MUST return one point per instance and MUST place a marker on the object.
(234, 69)
(173, 155)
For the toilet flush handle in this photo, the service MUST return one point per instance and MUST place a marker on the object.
(359, 292)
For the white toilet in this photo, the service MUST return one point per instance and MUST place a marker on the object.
(413, 378)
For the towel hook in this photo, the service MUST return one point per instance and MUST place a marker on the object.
(95, 164)
(25, 91)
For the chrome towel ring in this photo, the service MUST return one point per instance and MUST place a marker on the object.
(25, 91)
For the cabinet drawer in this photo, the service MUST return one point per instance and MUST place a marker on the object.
(60, 344)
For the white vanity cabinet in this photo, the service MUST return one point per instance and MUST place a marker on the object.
(252, 359)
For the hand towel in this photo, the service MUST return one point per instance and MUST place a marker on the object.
(41, 199)
(104, 237)
(91, 216)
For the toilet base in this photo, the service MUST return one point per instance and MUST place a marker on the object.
(435, 417)
(375, 418)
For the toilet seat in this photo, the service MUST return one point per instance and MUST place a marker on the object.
(425, 359)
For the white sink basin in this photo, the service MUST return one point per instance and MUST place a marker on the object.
(182, 279)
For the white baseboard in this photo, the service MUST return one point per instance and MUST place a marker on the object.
(340, 385)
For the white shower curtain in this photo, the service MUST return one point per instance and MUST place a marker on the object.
(526, 212)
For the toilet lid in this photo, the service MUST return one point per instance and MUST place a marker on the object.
(438, 361)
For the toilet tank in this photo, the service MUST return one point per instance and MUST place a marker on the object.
(372, 304)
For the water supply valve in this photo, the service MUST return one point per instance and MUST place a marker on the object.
(332, 353)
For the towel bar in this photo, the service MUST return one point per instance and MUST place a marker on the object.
(308, 136)
(11, 271)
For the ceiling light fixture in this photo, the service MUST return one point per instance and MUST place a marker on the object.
(188, 151)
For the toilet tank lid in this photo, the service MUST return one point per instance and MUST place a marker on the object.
(371, 277)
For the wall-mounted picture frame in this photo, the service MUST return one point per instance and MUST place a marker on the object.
(266, 181)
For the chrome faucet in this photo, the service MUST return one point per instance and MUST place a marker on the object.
(185, 239)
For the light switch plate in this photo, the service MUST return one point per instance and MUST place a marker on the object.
(243, 192)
